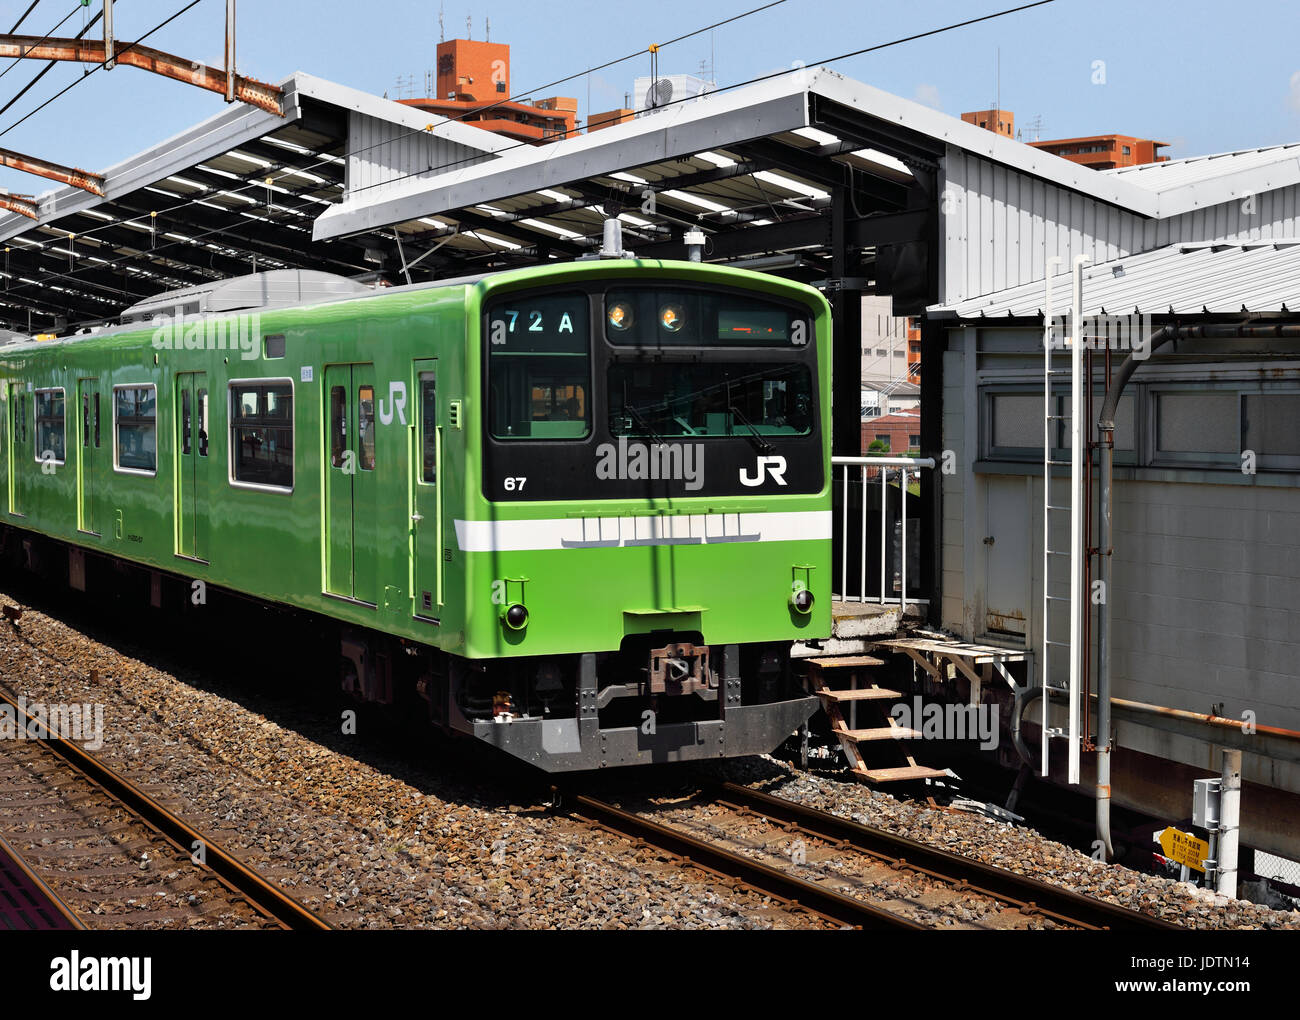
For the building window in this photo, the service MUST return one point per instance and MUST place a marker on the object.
(50, 436)
(261, 434)
(1128, 151)
(135, 427)
(913, 442)
(1269, 429)
(1015, 422)
(886, 438)
(1198, 426)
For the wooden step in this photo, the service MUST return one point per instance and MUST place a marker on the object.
(899, 775)
(878, 733)
(846, 662)
(861, 694)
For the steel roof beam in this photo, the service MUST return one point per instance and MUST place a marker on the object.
(22, 204)
(93, 51)
(519, 233)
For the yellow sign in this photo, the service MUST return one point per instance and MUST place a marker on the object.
(1184, 848)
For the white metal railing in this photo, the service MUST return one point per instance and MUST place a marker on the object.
(901, 470)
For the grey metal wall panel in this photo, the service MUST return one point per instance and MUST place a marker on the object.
(381, 153)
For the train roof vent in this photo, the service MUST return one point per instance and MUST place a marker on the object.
(279, 288)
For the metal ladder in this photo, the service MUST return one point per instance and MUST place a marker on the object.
(1063, 552)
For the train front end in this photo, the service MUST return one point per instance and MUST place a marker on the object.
(646, 525)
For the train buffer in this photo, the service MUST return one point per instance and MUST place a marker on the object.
(845, 686)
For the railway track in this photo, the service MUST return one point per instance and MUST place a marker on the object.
(93, 838)
(885, 882)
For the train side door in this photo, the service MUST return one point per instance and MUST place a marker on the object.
(351, 489)
(426, 500)
(17, 444)
(90, 439)
(191, 419)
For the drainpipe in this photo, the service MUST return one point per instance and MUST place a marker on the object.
(1105, 548)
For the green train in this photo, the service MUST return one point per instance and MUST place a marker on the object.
(580, 510)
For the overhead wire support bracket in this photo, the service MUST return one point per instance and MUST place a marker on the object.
(191, 72)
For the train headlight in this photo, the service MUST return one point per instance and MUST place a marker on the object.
(801, 599)
(516, 616)
(671, 318)
(620, 316)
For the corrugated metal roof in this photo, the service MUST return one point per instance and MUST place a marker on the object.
(1182, 279)
(1177, 173)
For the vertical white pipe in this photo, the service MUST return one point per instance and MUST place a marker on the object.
(844, 534)
(1229, 821)
(1078, 598)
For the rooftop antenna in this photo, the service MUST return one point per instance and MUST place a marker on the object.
(442, 30)
(998, 107)
(487, 29)
(469, 26)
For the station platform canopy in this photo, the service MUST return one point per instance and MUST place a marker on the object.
(236, 194)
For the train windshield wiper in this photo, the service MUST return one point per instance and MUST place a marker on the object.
(756, 438)
(641, 423)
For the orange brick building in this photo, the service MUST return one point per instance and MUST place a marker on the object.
(473, 84)
(1100, 152)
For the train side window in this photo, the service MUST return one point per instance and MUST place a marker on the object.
(203, 423)
(186, 422)
(135, 426)
(366, 426)
(261, 434)
(338, 425)
(429, 427)
(51, 435)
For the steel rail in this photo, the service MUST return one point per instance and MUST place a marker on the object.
(233, 873)
(1027, 894)
(38, 886)
(795, 893)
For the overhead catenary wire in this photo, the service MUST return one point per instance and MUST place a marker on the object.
(106, 264)
(66, 19)
(119, 50)
(48, 67)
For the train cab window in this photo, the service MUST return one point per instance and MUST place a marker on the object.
(539, 367)
(429, 427)
(261, 434)
(135, 424)
(366, 427)
(203, 422)
(50, 434)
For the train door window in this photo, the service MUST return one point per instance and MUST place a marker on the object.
(85, 420)
(261, 434)
(338, 425)
(22, 415)
(135, 427)
(50, 434)
(96, 402)
(429, 428)
(366, 426)
(186, 422)
(203, 422)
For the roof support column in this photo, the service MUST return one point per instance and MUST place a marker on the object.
(845, 296)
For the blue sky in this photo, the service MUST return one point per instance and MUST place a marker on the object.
(1204, 76)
